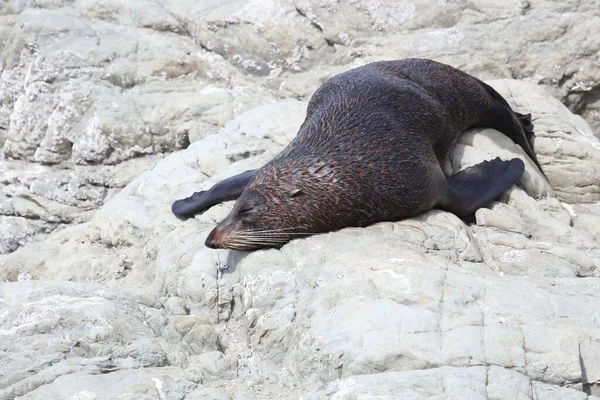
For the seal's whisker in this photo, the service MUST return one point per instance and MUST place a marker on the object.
(272, 240)
(282, 229)
(260, 240)
(243, 238)
(278, 230)
(289, 235)
(243, 245)
(276, 233)
(272, 237)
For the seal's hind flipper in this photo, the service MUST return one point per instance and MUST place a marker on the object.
(228, 189)
(526, 123)
(525, 119)
(476, 186)
(518, 127)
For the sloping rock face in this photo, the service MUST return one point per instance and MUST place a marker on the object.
(132, 305)
(93, 92)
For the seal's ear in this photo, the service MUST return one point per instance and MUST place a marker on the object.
(295, 192)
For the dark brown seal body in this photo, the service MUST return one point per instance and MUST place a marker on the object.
(370, 150)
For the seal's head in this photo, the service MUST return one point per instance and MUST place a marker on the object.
(283, 201)
(259, 219)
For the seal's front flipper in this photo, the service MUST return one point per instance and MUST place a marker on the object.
(478, 185)
(228, 189)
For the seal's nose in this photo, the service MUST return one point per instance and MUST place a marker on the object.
(211, 240)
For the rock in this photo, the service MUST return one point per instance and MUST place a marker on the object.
(195, 334)
(84, 329)
(89, 93)
(15, 232)
(207, 393)
(123, 300)
(507, 384)
(446, 382)
(257, 36)
(214, 365)
(37, 199)
(102, 82)
(543, 392)
(586, 219)
(590, 368)
(145, 383)
(505, 307)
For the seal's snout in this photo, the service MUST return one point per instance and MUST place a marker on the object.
(227, 235)
(210, 242)
(222, 236)
(213, 239)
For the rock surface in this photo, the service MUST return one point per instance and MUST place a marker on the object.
(91, 86)
(132, 305)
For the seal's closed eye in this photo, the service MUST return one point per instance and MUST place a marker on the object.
(245, 209)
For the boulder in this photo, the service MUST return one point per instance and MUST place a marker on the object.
(131, 303)
(92, 84)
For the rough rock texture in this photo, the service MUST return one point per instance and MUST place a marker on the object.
(98, 94)
(132, 305)
(88, 85)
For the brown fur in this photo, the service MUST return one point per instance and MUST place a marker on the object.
(372, 141)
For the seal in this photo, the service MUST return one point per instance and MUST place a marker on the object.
(370, 150)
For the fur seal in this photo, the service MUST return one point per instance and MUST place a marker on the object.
(370, 149)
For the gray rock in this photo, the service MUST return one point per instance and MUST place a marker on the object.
(446, 382)
(207, 393)
(586, 219)
(103, 84)
(140, 384)
(506, 384)
(93, 82)
(194, 334)
(590, 346)
(84, 329)
(547, 392)
(93, 93)
(37, 199)
(505, 308)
